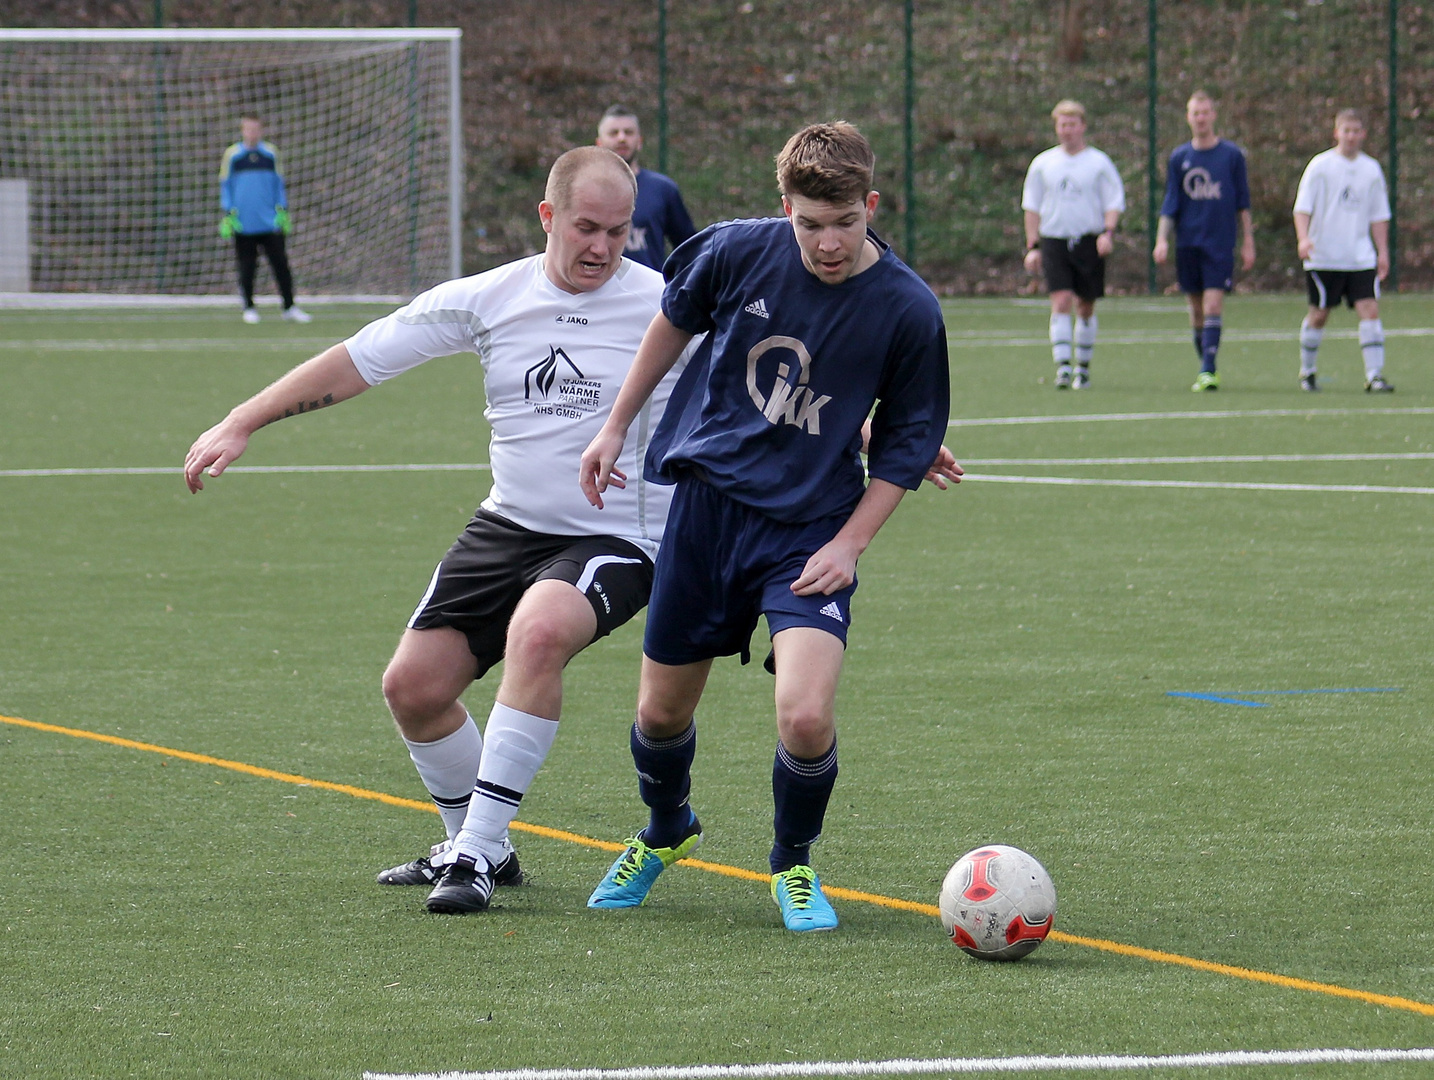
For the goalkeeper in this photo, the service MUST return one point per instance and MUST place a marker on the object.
(256, 214)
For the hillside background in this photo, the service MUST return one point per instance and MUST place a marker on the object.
(743, 74)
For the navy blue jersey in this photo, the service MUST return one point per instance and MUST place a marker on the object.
(770, 408)
(658, 216)
(1205, 190)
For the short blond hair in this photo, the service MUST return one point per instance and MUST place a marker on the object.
(1068, 107)
(1349, 116)
(830, 163)
(569, 167)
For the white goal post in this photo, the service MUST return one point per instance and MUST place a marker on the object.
(110, 144)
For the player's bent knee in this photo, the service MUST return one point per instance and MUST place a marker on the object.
(806, 730)
(544, 644)
(412, 699)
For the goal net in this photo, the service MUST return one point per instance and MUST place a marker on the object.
(110, 145)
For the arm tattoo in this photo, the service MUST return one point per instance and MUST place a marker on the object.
(301, 407)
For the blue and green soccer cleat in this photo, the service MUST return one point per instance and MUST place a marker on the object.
(798, 892)
(1207, 380)
(628, 881)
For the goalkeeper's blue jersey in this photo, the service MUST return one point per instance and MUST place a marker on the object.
(251, 183)
(770, 408)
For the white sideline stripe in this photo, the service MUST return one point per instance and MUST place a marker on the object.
(30, 301)
(1214, 485)
(917, 1066)
(1215, 414)
(171, 470)
(1199, 459)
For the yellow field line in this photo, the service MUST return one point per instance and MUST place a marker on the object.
(1154, 955)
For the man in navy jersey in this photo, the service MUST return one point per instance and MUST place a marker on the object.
(659, 214)
(811, 320)
(1206, 190)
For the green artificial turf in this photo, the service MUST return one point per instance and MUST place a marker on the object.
(1008, 679)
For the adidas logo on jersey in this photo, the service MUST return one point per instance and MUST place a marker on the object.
(832, 611)
(758, 307)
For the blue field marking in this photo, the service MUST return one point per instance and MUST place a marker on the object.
(1215, 697)
(1228, 698)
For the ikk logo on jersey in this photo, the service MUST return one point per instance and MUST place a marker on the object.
(576, 395)
(1199, 186)
(788, 403)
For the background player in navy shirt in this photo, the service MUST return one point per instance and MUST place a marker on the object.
(256, 214)
(810, 320)
(1206, 190)
(660, 214)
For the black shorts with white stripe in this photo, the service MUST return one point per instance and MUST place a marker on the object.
(1327, 288)
(478, 585)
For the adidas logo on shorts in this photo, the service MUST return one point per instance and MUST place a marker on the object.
(758, 307)
(832, 611)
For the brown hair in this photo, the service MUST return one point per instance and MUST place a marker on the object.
(570, 166)
(1199, 95)
(830, 163)
(1349, 114)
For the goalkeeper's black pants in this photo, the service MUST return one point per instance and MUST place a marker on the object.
(246, 250)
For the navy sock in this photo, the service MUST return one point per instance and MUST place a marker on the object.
(1210, 342)
(664, 781)
(800, 789)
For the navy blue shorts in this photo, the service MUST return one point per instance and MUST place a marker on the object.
(1197, 270)
(722, 565)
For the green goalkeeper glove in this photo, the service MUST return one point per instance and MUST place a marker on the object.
(229, 225)
(281, 220)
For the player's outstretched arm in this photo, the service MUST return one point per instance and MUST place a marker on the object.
(833, 565)
(661, 346)
(325, 380)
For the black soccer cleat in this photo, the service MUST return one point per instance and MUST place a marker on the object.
(1081, 381)
(421, 871)
(1377, 385)
(1309, 384)
(1063, 377)
(464, 888)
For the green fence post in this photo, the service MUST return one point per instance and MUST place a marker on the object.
(1152, 176)
(910, 137)
(1393, 279)
(662, 86)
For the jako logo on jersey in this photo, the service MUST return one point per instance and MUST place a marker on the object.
(575, 320)
(1198, 185)
(1349, 197)
(758, 307)
(540, 376)
(787, 404)
(832, 612)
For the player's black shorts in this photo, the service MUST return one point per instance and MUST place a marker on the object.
(477, 586)
(1328, 287)
(1073, 265)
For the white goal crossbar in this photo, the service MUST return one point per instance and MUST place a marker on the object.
(110, 142)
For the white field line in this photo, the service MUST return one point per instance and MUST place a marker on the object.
(164, 344)
(1200, 459)
(175, 470)
(916, 1066)
(997, 339)
(1213, 485)
(1214, 414)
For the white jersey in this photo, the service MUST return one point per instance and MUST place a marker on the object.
(1072, 192)
(552, 365)
(1343, 197)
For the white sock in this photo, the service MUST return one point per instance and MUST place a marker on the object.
(1061, 338)
(1371, 343)
(1309, 346)
(1085, 339)
(515, 747)
(448, 768)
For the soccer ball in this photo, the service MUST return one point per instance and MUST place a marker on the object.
(997, 903)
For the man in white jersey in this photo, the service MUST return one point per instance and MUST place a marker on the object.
(1073, 199)
(538, 574)
(1342, 222)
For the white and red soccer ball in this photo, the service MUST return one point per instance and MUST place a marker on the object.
(998, 903)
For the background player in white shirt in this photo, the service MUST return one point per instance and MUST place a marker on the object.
(1342, 221)
(1073, 199)
(539, 573)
